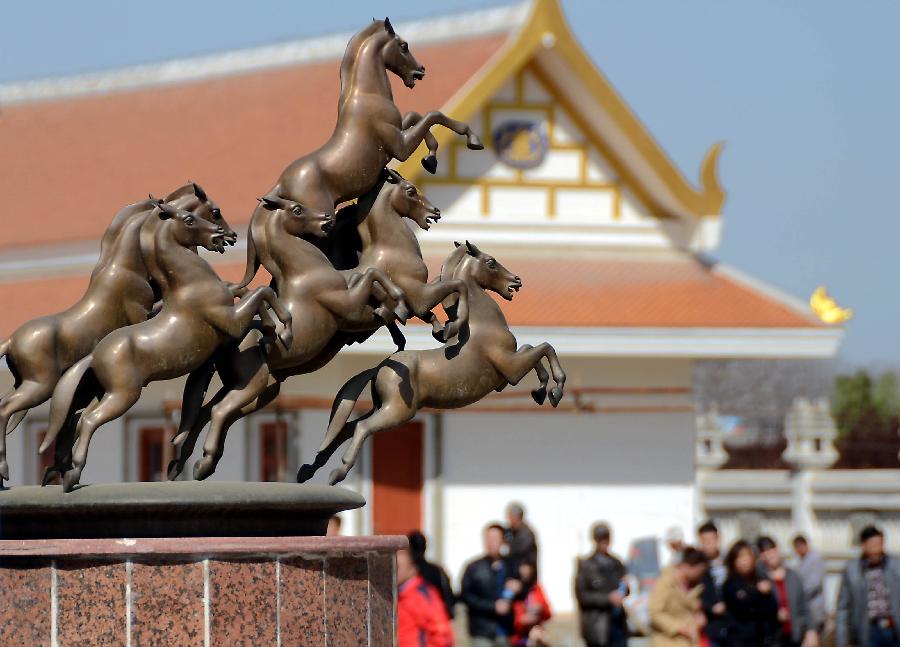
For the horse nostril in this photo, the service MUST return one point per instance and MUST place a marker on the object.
(422, 68)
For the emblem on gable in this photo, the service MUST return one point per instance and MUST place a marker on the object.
(520, 144)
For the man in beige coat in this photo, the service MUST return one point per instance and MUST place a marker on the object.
(676, 616)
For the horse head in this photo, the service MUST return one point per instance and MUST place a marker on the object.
(188, 229)
(193, 198)
(485, 270)
(407, 201)
(299, 220)
(398, 58)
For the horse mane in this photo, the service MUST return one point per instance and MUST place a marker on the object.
(351, 53)
(180, 192)
(452, 263)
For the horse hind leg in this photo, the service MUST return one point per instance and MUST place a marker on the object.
(224, 414)
(113, 405)
(391, 414)
(327, 450)
(27, 395)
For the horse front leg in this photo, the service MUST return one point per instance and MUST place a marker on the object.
(432, 294)
(235, 321)
(514, 366)
(353, 303)
(429, 163)
(403, 143)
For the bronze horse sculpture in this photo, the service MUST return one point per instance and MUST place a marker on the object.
(322, 304)
(370, 130)
(387, 245)
(119, 294)
(198, 314)
(483, 358)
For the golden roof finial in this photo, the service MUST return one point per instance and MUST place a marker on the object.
(827, 308)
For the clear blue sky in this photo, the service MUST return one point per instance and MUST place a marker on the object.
(806, 94)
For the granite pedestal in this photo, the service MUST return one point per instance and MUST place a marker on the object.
(261, 589)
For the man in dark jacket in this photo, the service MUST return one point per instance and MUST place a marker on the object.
(519, 536)
(431, 572)
(868, 607)
(600, 590)
(793, 609)
(489, 585)
(716, 629)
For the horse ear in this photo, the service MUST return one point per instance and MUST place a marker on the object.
(166, 211)
(269, 203)
(392, 176)
(473, 251)
(388, 27)
(199, 192)
(455, 244)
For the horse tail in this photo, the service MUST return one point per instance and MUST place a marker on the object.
(346, 398)
(63, 397)
(252, 260)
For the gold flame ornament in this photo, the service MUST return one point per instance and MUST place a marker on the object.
(827, 308)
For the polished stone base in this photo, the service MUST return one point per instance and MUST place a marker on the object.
(174, 509)
(206, 591)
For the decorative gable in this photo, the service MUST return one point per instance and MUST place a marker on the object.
(540, 167)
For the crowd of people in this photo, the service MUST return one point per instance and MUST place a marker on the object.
(749, 596)
(505, 604)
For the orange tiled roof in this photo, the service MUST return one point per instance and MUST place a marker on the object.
(88, 156)
(574, 292)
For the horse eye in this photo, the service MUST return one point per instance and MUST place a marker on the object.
(404, 47)
(188, 221)
(492, 263)
(411, 191)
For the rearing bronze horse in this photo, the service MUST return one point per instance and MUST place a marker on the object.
(370, 130)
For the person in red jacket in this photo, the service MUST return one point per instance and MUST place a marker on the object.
(530, 609)
(422, 620)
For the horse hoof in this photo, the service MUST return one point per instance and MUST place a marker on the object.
(430, 164)
(4, 470)
(337, 475)
(71, 479)
(401, 312)
(450, 331)
(49, 474)
(305, 473)
(539, 395)
(556, 395)
(204, 468)
(474, 142)
(175, 468)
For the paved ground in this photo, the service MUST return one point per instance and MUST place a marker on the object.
(563, 632)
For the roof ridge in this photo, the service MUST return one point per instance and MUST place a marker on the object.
(481, 22)
(775, 293)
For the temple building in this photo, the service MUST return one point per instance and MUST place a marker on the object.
(613, 243)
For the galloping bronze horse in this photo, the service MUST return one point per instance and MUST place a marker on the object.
(197, 315)
(119, 294)
(483, 358)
